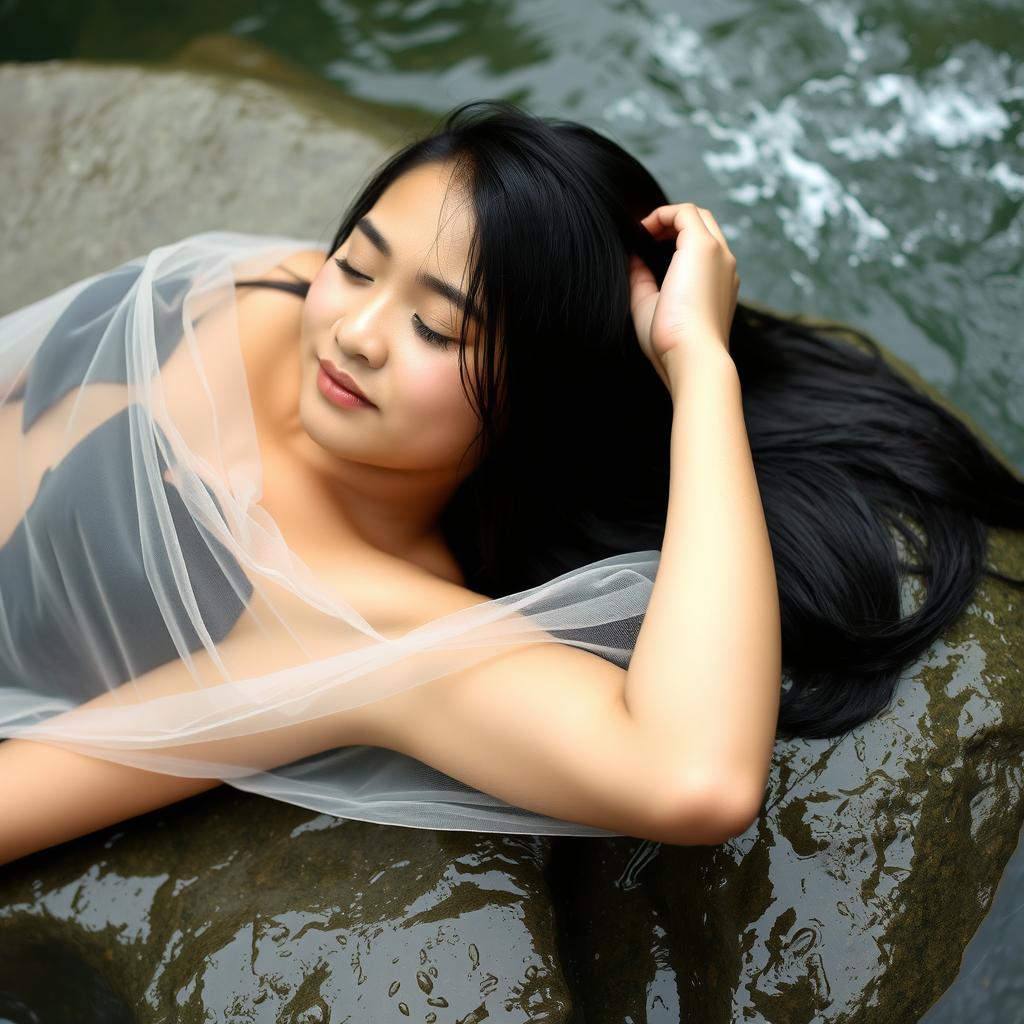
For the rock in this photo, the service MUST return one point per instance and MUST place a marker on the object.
(231, 907)
(109, 162)
(876, 857)
(851, 899)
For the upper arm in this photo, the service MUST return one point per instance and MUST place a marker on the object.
(545, 727)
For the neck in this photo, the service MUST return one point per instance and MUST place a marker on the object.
(323, 497)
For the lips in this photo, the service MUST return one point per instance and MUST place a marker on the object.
(342, 378)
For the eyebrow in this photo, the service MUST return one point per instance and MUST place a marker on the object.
(443, 288)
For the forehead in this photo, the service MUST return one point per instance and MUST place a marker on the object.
(425, 211)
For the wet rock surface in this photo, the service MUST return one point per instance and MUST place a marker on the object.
(873, 863)
(877, 855)
(851, 899)
(229, 907)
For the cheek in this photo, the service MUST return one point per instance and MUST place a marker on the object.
(318, 305)
(437, 399)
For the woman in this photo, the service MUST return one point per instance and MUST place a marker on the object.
(436, 604)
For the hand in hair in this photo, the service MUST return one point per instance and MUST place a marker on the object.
(697, 301)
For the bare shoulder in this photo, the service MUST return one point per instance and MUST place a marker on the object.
(303, 264)
(270, 317)
(260, 310)
(300, 266)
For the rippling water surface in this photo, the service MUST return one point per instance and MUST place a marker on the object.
(864, 159)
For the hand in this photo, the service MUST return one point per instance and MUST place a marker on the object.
(697, 301)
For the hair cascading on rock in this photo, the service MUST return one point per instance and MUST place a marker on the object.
(575, 423)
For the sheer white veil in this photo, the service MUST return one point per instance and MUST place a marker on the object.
(152, 614)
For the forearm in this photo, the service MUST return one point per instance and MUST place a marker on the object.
(704, 678)
(49, 795)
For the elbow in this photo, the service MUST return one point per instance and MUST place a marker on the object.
(708, 814)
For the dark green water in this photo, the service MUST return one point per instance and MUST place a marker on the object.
(864, 159)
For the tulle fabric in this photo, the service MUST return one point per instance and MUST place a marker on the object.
(151, 612)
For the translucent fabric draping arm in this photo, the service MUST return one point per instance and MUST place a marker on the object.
(133, 541)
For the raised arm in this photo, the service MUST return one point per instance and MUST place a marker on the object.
(705, 676)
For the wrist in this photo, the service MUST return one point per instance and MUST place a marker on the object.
(683, 363)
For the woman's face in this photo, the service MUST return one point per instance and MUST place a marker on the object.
(383, 318)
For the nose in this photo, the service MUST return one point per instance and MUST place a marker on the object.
(360, 331)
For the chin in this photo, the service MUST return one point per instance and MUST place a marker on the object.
(326, 429)
(315, 422)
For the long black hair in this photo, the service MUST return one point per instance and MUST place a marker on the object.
(575, 423)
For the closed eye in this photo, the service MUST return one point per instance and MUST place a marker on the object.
(441, 340)
(350, 270)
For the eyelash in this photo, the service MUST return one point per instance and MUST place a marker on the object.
(441, 340)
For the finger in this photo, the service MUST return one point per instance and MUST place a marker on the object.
(661, 221)
(690, 223)
(712, 225)
(665, 222)
(715, 231)
(642, 284)
(654, 221)
(679, 220)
